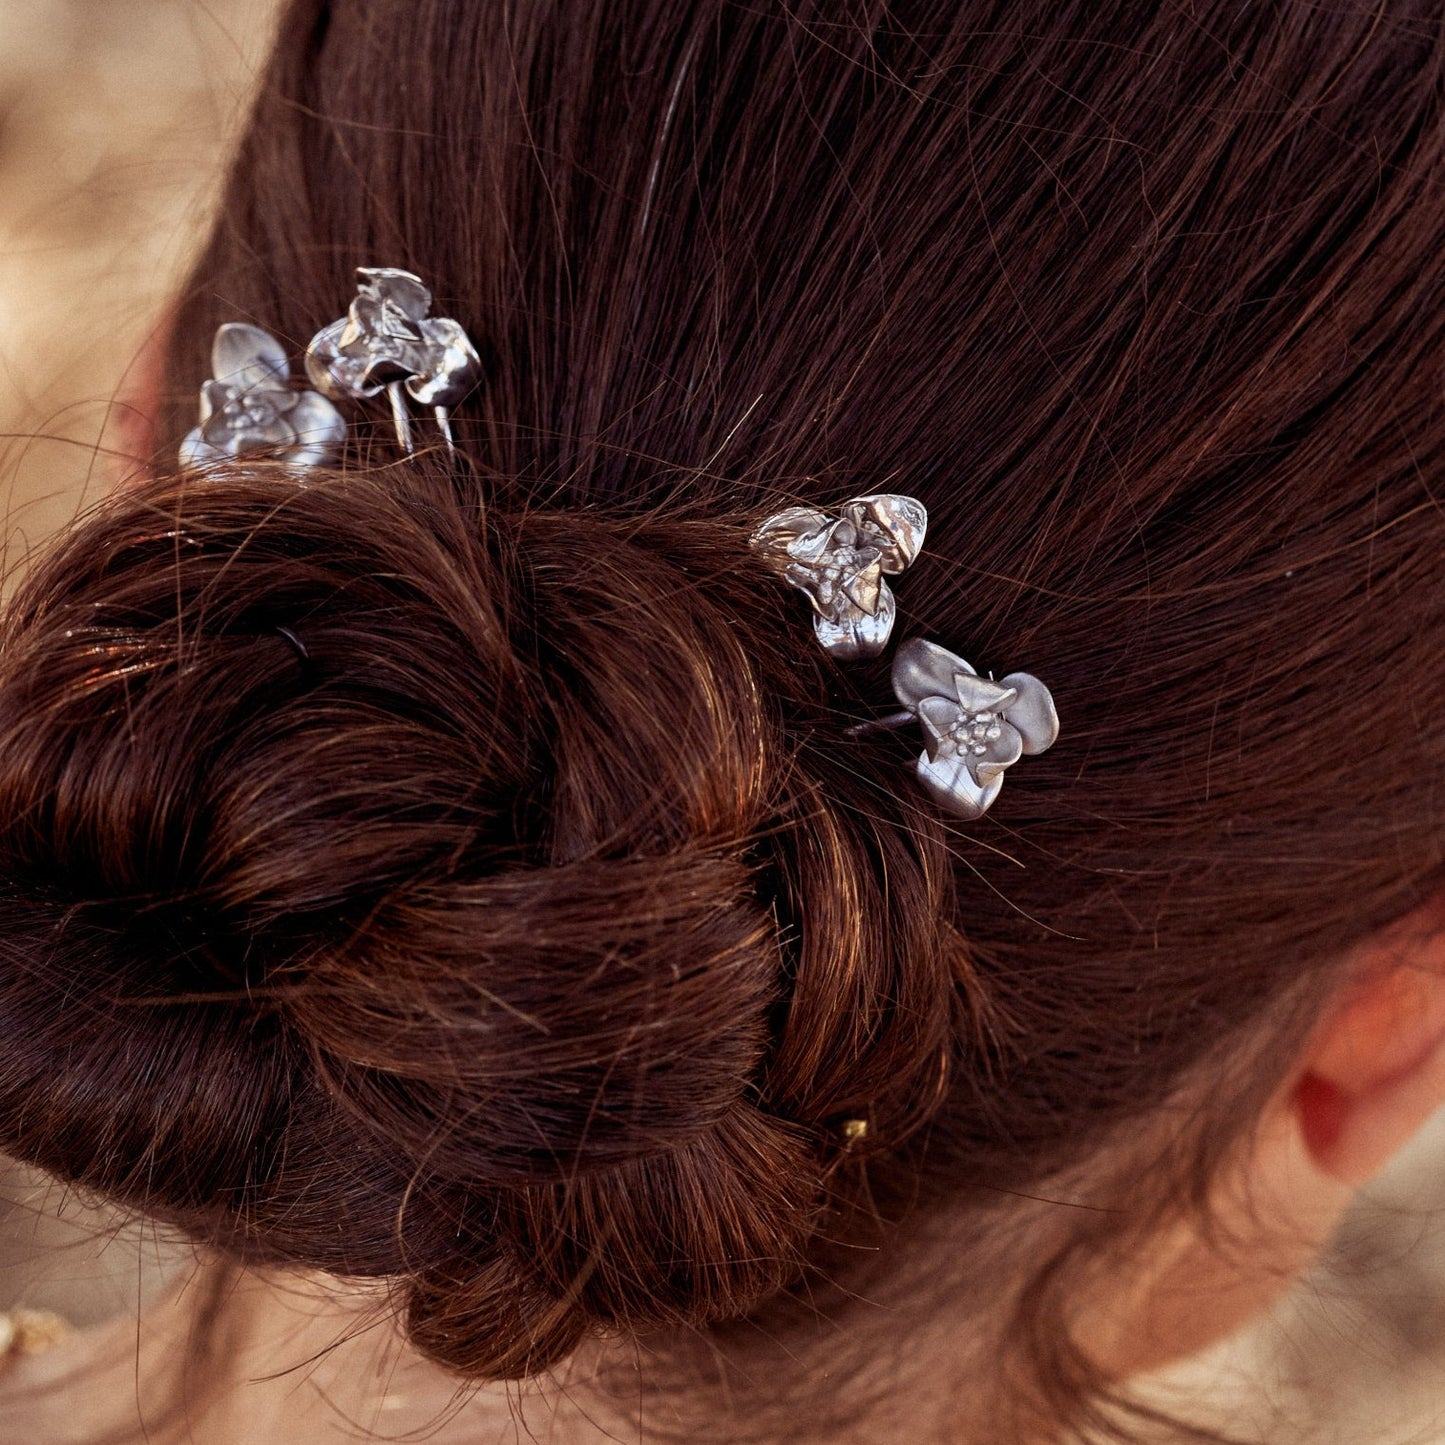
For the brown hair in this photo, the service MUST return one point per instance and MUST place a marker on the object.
(531, 940)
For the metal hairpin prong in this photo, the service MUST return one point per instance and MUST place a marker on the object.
(388, 342)
(250, 406)
(839, 562)
(974, 728)
(890, 723)
(400, 417)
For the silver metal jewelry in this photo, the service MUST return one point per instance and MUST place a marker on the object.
(249, 405)
(387, 342)
(974, 728)
(839, 562)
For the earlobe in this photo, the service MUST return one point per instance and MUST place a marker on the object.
(1374, 1071)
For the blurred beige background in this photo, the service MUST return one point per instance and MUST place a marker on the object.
(115, 121)
(115, 118)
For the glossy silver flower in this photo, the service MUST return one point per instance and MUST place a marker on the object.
(974, 728)
(840, 562)
(388, 340)
(249, 405)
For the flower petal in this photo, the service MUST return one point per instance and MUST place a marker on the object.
(818, 590)
(1033, 713)
(938, 715)
(1000, 753)
(403, 289)
(924, 669)
(248, 358)
(451, 367)
(798, 533)
(852, 633)
(865, 588)
(303, 457)
(894, 523)
(981, 694)
(218, 434)
(333, 373)
(196, 452)
(320, 429)
(369, 320)
(950, 783)
(214, 397)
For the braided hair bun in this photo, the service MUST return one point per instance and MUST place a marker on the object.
(411, 891)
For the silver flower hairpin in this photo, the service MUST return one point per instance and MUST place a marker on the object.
(839, 563)
(387, 341)
(974, 728)
(249, 405)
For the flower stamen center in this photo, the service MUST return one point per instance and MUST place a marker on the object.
(974, 731)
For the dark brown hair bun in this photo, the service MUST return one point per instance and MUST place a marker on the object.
(449, 950)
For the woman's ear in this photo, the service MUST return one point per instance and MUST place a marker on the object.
(1374, 1070)
(131, 424)
(1371, 1073)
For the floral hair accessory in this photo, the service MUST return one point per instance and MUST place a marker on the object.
(974, 728)
(387, 341)
(839, 563)
(249, 405)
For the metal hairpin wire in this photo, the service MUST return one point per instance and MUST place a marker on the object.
(891, 723)
(296, 645)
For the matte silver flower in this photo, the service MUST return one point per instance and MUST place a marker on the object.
(387, 341)
(249, 405)
(839, 563)
(974, 728)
